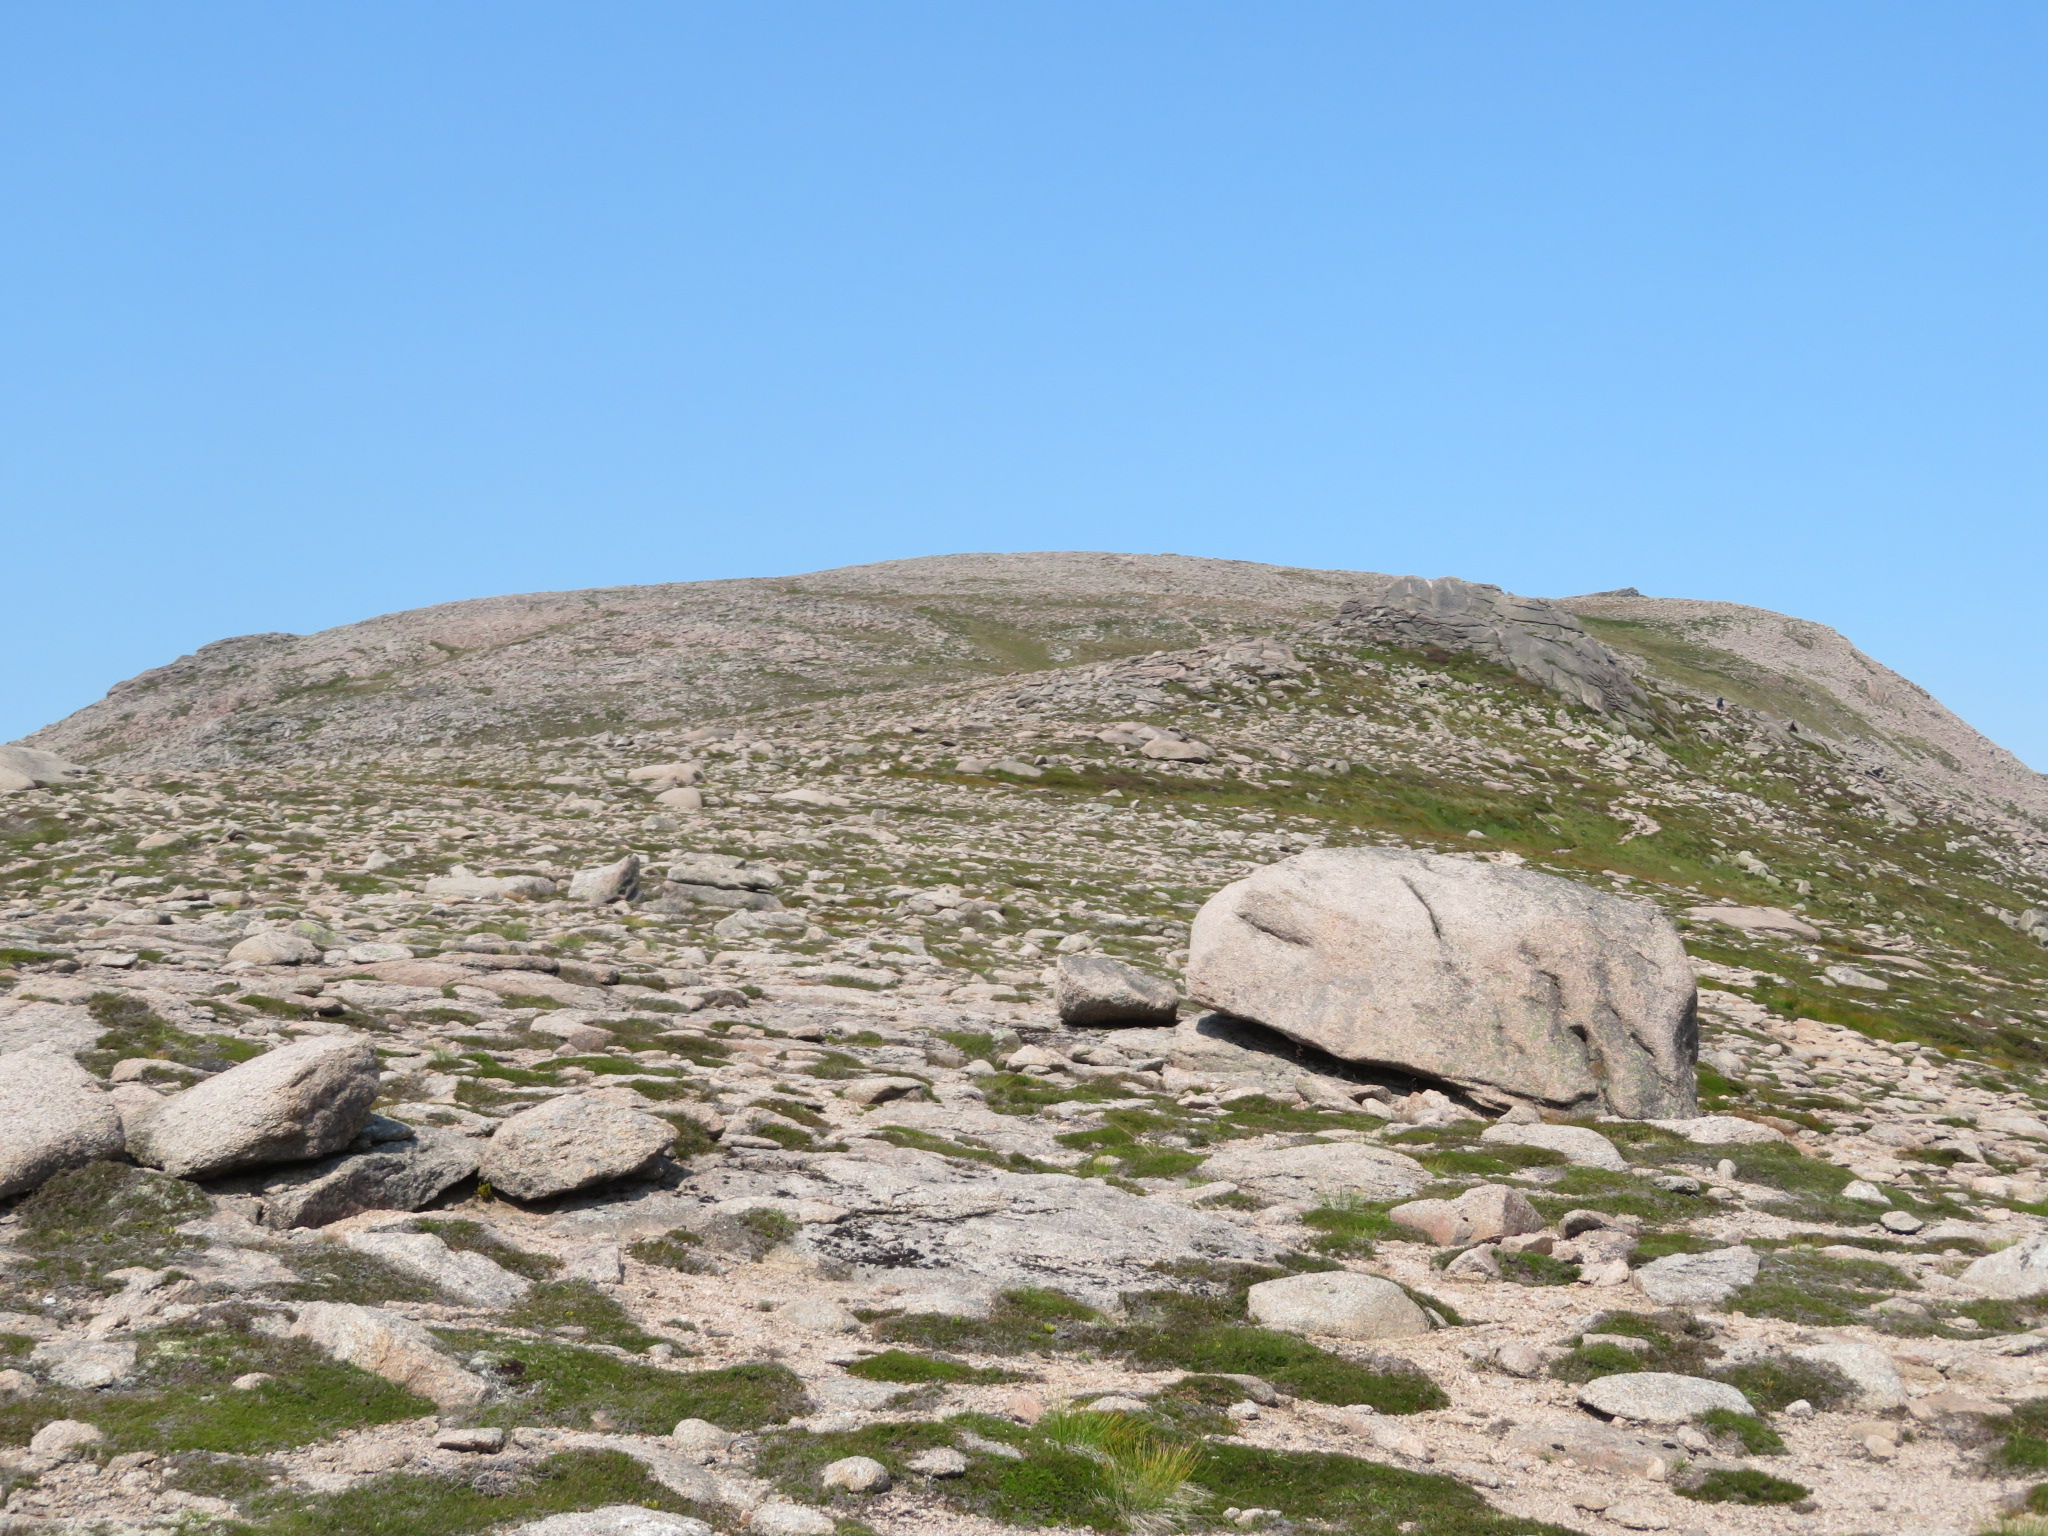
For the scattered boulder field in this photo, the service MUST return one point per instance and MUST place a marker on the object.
(1454, 1064)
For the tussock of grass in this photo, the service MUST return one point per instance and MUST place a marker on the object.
(1744, 1485)
(901, 1365)
(1754, 1436)
(1800, 1285)
(475, 1237)
(1677, 1342)
(581, 1305)
(1777, 1381)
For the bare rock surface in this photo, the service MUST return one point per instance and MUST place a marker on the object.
(1660, 1397)
(395, 1348)
(1580, 1144)
(1371, 954)
(569, 1144)
(29, 1025)
(53, 1115)
(397, 1176)
(298, 1102)
(615, 1520)
(1094, 989)
(1698, 1279)
(1319, 1172)
(1338, 1303)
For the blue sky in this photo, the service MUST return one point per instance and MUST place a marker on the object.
(318, 312)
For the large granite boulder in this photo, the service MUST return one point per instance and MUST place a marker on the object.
(1094, 989)
(571, 1143)
(53, 1116)
(295, 1103)
(1515, 985)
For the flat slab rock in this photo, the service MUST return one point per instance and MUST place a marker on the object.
(1318, 1170)
(614, 1520)
(907, 1211)
(1698, 1279)
(1659, 1397)
(59, 1026)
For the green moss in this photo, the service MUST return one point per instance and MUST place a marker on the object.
(131, 1028)
(1775, 1382)
(559, 1305)
(540, 1381)
(410, 1504)
(1799, 1285)
(1359, 1498)
(2024, 1448)
(678, 1250)
(182, 1400)
(1349, 1230)
(1537, 1269)
(475, 1237)
(1618, 1194)
(234, 1478)
(88, 1221)
(925, 1141)
(1676, 1342)
(330, 1272)
(901, 1365)
(1744, 1485)
(1018, 1321)
(1756, 1437)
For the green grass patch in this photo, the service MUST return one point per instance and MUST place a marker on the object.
(1349, 1229)
(1676, 1342)
(1800, 1285)
(1756, 1437)
(901, 1365)
(412, 1504)
(559, 1306)
(1018, 1321)
(330, 1272)
(129, 1027)
(88, 1221)
(182, 1400)
(1775, 1382)
(539, 1381)
(1743, 1485)
(679, 1250)
(925, 1141)
(2024, 1448)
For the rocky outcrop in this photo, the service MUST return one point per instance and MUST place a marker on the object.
(1517, 986)
(570, 1143)
(1094, 989)
(1534, 637)
(296, 1103)
(53, 1116)
(395, 1348)
(1338, 1303)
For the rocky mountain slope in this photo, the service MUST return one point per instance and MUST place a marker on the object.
(718, 1099)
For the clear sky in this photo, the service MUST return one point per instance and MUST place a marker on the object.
(313, 312)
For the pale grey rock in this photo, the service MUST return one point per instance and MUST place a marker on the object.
(490, 887)
(780, 1519)
(724, 871)
(1471, 973)
(468, 1277)
(1476, 1264)
(53, 1116)
(855, 1474)
(1869, 1369)
(939, 1461)
(1094, 989)
(1165, 749)
(65, 1439)
(924, 1225)
(1867, 1192)
(301, 1101)
(1315, 1172)
(475, 1439)
(85, 1364)
(700, 1439)
(1998, 1123)
(1698, 1279)
(395, 1348)
(1905, 1223)
(615, 1520)
(26, 1026)
(606, 882)
(1755, 920)
(1481, 1214)
(817, 1314)
(1338, 1303)
(1539, 639)
(2011, 1274)
(396, 1176)
(1580, 1144)
(276, 948)
(44, 770)
(1659, 1397)
(570, 1143)
(1856, 976)
(681, 797)
(1719, 1130)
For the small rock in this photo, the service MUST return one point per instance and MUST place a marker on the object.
(881, 1090)
(1338, 1303)
(1093, 989)
(1698, 1279)
(1864, 1190)
(484, 1442)
(1869, 1369)
(53, 1116)
(1902, 1222)
(700, 1440)
(251, 1380)
(1583, 1146)
(1115, 1402)
(1024, 1407)
(615, 1520)
(2011, 1274)
(855, 1474)
(64, 1439)
(790, 1520)
(1521, 1358)
(268, 949)
(1476, 1264)
(299, 1102)
(1480, 1214)
(1638, 1517)
(1660, 1397)
(18, 1384)
(939, 1461)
